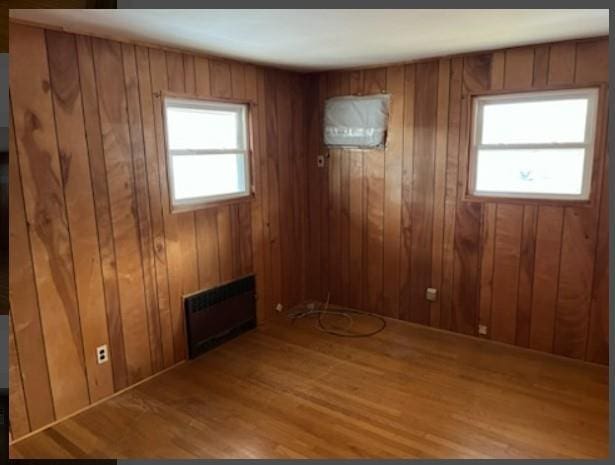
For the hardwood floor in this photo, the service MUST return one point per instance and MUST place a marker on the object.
(287, 390)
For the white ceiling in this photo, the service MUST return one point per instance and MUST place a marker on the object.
(330, 39)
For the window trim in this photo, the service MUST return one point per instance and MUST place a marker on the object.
(197, 203)
(478, 102)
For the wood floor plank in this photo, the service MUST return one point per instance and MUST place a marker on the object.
(286, 390)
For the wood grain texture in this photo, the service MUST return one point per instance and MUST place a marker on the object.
(26, 323)
(64, 79)
(148, 258)
(100, 259)
(392, 194)
(494, 263)
(42, 184)
(422, 205)
(20, 424)
(120, 179)
(287, 391)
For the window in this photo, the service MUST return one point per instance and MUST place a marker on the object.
(534, 145)
(207, 145)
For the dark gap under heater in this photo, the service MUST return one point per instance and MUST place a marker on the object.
(216, 315)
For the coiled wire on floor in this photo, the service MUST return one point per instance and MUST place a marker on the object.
(320, 309)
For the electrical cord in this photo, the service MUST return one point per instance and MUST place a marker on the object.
(319, 309)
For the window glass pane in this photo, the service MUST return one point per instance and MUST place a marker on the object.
(535, 122)
(208, 175)
(546, 171)
(198, 128)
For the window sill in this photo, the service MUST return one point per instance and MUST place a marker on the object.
(585, 203)
(213, 204)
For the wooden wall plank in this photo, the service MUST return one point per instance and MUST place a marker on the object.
(592, 63)
(220, 75)
(392, 190)
(541, 66)
(300, 167)
(444, 71)
(46, 215)
(120, 180)
(164, 335)
(561, 63)
(374, 233)
(598, 337)
(314, 288)
(168, 320)
(25, 316)
(508, 227)
(526, 273)
(323, 184)
(265, 299)
(546, 276)
(575, 283)
(422, 208)
(357, 221)
(519, 68)
(450, 197)
(137, 144)
(68, 113)
(273, 192)
(18, 413)
(286, 189)
(102, 208)
(405, 272)
(335, 202)
(465, 304)
(374, 80)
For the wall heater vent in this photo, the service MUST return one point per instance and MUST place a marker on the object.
(216, 315)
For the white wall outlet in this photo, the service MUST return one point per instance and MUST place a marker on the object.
(320, 161)
(102, 354)
(482, 329)
(279, 307)
(431, 294)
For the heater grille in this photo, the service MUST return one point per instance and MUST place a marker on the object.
(219, 314)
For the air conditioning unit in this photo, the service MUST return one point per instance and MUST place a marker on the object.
(356, 122)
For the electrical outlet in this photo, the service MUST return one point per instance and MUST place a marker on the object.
(431, 294)
(102, 354)
(279, 307)
(482, 329)
(320, 161)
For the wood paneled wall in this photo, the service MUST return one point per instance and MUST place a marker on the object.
(387, 224)
(96, 256)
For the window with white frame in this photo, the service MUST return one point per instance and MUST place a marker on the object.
(533, 145)
(207, 151)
